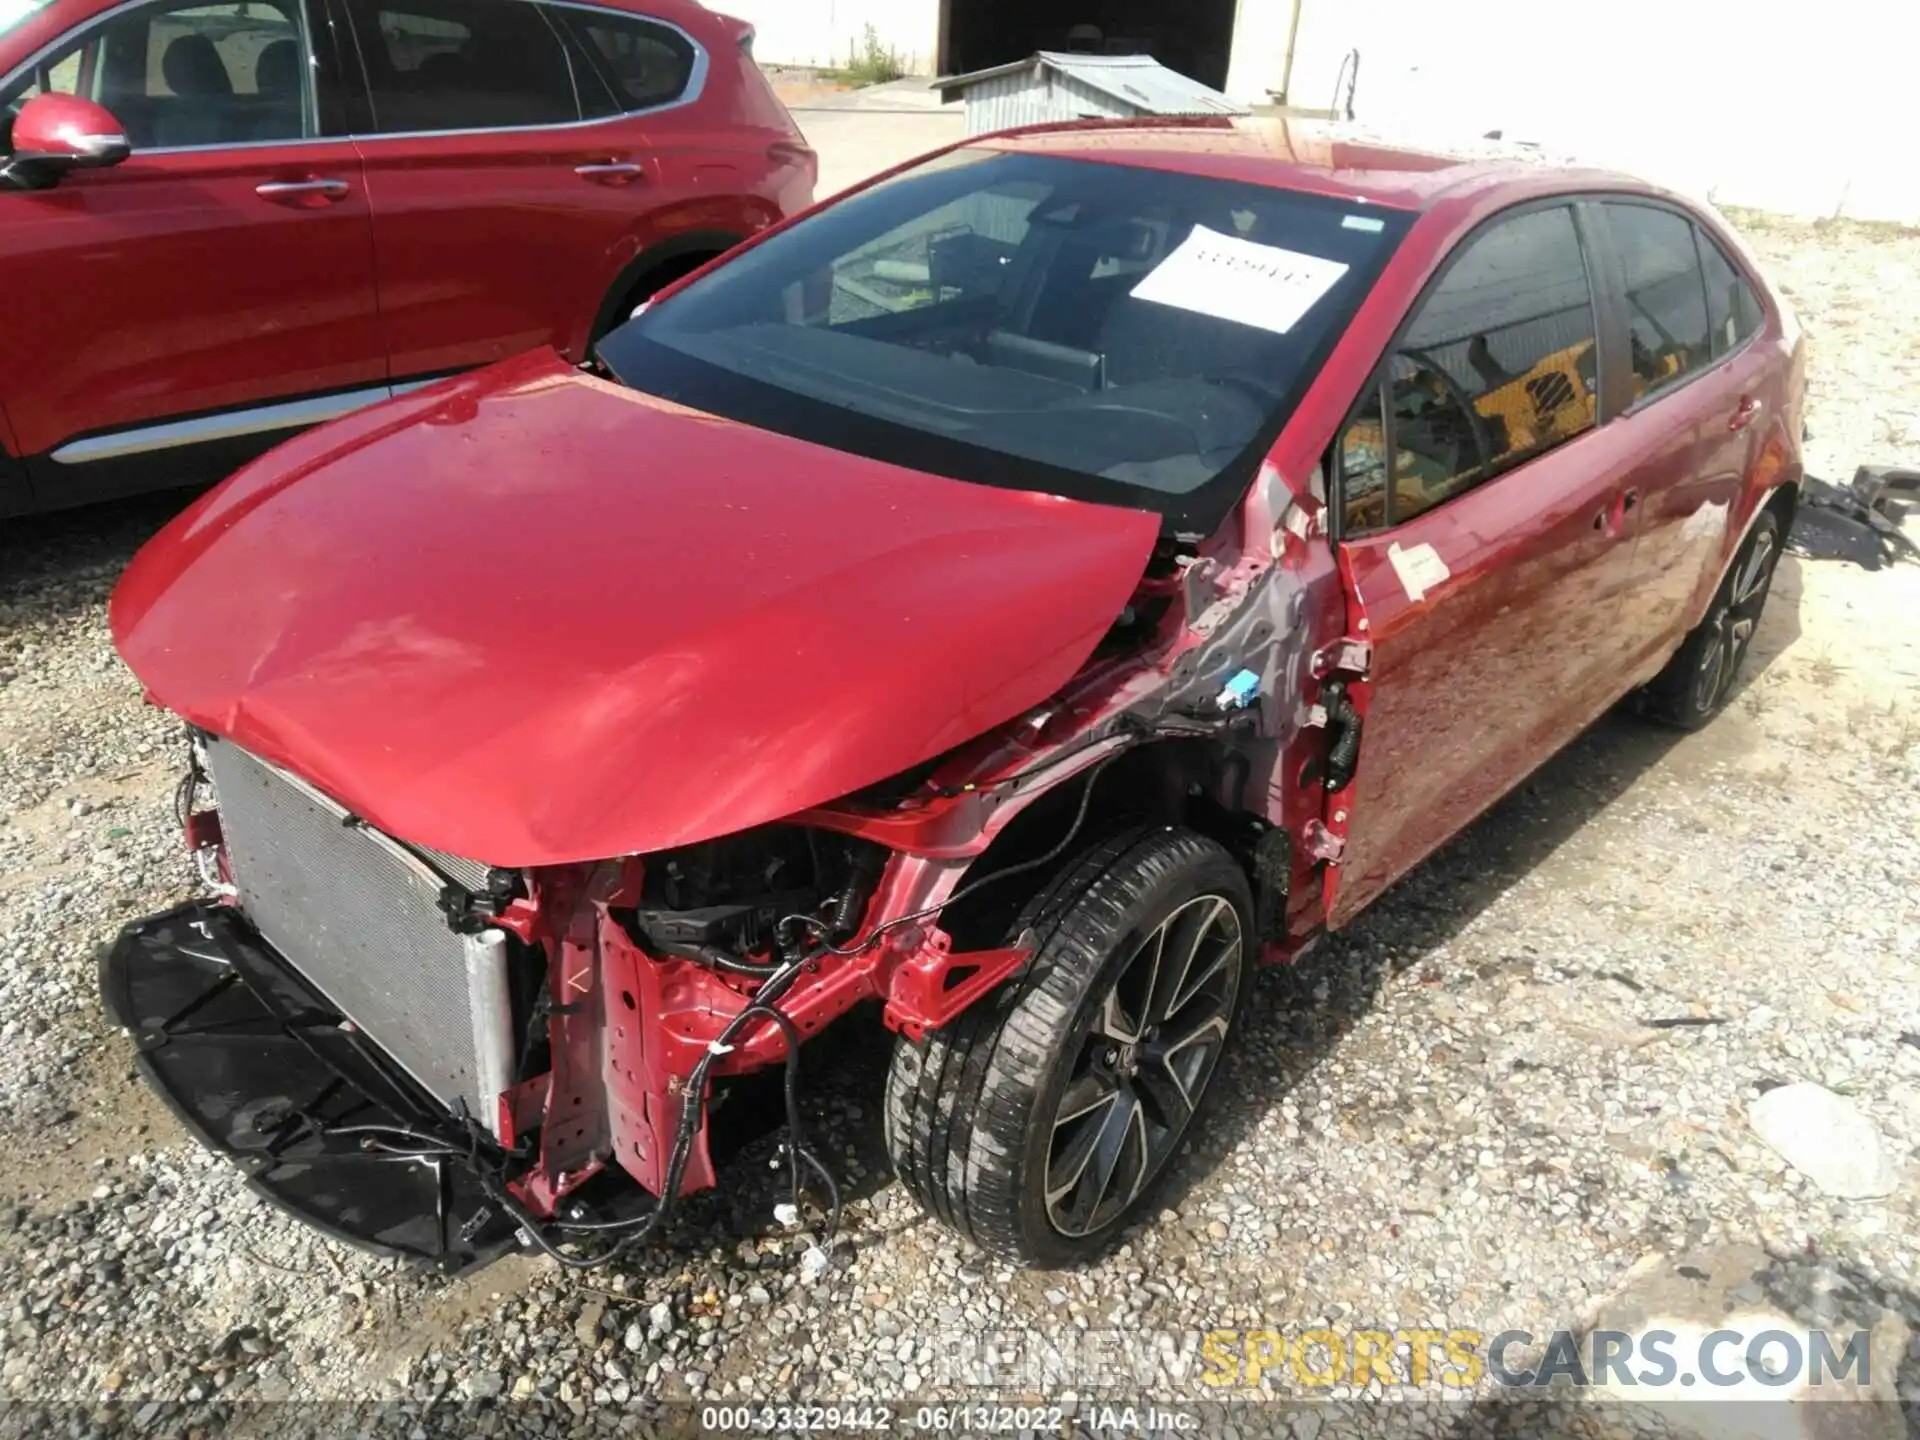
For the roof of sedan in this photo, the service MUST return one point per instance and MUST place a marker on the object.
(1311, 155)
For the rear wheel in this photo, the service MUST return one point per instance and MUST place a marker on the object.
(1699, 678)
(1041, 1120)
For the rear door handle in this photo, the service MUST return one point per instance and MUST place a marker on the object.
(1744, 414)
(297, 190)
(611, 171)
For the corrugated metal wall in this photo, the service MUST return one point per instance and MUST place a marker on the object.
(1035, 97)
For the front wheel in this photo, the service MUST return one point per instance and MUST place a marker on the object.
(1041, 1120)
(1699, 678)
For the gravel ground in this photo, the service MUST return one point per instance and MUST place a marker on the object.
(1524, 1072)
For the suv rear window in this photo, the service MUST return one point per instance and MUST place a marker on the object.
(627, 63)
(1129, 335)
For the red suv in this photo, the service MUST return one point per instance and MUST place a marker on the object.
(319, 203)
(1023, 592)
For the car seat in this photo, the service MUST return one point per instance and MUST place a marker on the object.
(276, 79)
(202, 110)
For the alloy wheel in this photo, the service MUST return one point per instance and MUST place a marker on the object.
(1733, 622)
(1144, 1065)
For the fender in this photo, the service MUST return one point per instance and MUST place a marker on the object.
(1762, 495)
(16, 489)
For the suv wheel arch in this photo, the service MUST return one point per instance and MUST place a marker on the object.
(653, 269)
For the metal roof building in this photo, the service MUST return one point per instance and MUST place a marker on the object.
(1051, 86)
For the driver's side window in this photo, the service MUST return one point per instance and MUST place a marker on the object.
(1497, 366)
(187, 75)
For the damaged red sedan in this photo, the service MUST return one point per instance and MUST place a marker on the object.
(1023, 594)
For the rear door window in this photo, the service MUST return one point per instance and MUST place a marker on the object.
(626, 62)
(464, 65)
(1667, 326)
(1733, 310)
(1498, 365)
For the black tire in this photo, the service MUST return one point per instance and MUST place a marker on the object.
(974, 1114)
(1697, 681)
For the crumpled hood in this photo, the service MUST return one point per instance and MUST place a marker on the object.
(530, 617)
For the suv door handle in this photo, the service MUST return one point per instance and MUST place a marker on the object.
(1744, 414)
(302, 189)
(611, 172)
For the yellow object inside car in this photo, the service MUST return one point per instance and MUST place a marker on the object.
(1442, 448)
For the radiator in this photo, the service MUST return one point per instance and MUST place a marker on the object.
(358, 916)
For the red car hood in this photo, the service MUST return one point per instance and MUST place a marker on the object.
(530, 617)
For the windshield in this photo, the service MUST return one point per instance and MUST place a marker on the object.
(1113, 333)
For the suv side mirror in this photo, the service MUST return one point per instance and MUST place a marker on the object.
(54, 134)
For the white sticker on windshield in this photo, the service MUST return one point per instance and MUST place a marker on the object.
(1235, 279)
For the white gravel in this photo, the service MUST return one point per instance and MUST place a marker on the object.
(1526, 1070)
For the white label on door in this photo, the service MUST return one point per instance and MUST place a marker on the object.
(1420, 569)
(1234, 279)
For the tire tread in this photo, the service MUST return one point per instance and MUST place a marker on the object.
(959, 1105)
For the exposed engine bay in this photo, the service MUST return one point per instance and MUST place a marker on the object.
(759, 898)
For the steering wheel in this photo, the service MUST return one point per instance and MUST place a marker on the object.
(1458, 395)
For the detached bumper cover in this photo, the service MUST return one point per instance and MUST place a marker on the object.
(259, 1066)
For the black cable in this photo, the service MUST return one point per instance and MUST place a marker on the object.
(873, 938)
(374, 1147)
(642, 1228)
(419, 1136)
(188, 790)
(833, 1190)
(791, 1084)
(714, 958)
(1052, 762)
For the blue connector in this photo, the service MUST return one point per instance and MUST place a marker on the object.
(1240, 691)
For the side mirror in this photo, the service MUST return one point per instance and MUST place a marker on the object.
(54, 134)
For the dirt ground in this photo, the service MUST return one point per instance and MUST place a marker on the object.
(1518, 1076)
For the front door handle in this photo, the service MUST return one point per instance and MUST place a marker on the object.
(305, 192)
(611, 172)
(1744, 414)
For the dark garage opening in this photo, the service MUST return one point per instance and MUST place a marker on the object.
(1192, 36)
